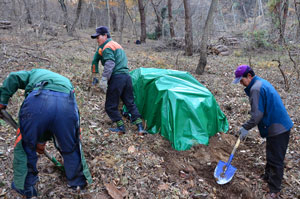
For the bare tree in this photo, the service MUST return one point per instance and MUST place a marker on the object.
(65, 11)
(45, 15)
(285, 7)
(28, 18)
(123, 7)
(188, 29)
(297, 8)
(143, 21)
(114, 19)
(78, 11)
(171, 23)
(70, 28)
(93, 18)
(279, 10)
(108, 14)
(132, 21)
(159, 19)
(203, 46)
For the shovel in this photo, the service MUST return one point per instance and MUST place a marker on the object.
(8, 119)
(224, 171)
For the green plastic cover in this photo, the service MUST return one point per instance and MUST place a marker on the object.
(175, 104)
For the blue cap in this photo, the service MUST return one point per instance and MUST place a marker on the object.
(100, 31)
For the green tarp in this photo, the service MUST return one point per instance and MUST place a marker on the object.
(175, 104)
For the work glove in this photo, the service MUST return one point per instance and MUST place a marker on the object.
(243, 133)
(103, 84)
(95, 81)
(40, 147)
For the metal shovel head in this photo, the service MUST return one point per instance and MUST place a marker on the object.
(224, 174)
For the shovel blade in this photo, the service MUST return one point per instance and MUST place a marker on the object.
(224, 174)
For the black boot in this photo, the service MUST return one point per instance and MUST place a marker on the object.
(120, 129)
(141, 130)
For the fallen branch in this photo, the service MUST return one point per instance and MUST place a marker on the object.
(31, 55)
(287, 87)
(294, 63)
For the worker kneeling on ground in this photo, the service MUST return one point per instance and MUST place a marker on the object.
(48, 111)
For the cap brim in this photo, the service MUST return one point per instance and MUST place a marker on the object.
(237, 80)
(94, 36)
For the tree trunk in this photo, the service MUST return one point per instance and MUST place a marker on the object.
(133, 23)
(223, 19)
(203, 46)
(172, 32)
(283, 21)
(261, 10)
(158, 28)
(297, 8)
(78, 11)
(188, 29)
(93, 17)
(65, 11)
(45, 16)
(108, 14)
(28, 18)
(14, 9)
(143, 21)
(233, 13)
(123, 7)
(114, 19)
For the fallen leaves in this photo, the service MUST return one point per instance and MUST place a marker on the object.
(114, 192)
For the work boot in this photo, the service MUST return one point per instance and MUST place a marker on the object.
(28, 192)
(273, 195)
(141, 130)
(264, 177)
(81, 187)
(120, 129)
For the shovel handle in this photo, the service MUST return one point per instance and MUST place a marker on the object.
(8, 118)
(52, 159)
(233, 151)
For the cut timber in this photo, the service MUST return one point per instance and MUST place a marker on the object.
(5, 25)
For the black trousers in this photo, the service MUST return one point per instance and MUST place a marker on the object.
(276, 149)
(120, 87)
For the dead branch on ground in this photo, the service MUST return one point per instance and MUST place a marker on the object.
(287, 87)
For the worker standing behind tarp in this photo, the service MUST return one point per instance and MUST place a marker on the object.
(49, 110)
(115, 81)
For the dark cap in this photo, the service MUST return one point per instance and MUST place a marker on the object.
(102, 30)
(239, 73)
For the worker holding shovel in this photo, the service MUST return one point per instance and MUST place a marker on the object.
(48, 111)
(269, 114)
(115, 81)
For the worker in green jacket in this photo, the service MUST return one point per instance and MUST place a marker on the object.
(115, 81)
(48, 111)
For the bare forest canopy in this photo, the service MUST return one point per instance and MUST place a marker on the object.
(195, 26)
(271, 20)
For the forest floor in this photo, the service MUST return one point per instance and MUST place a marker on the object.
(131, 166)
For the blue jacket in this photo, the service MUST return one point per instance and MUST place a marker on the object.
(267, 109)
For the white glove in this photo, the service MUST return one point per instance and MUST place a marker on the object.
(103, 84)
